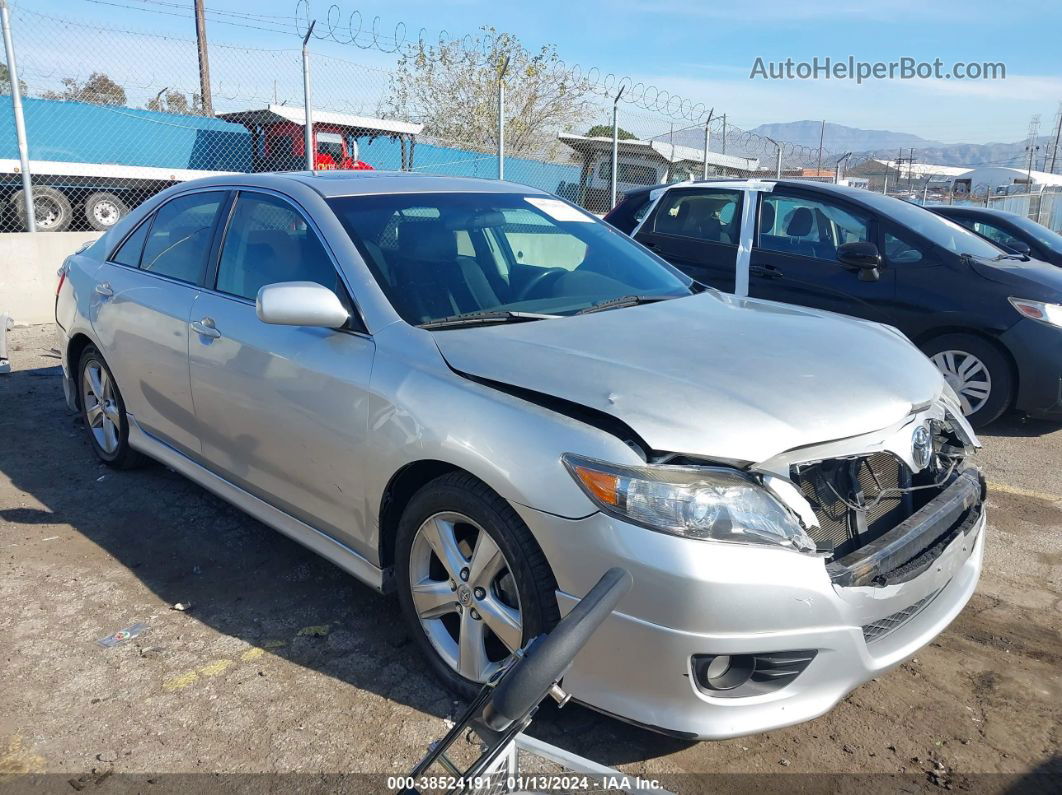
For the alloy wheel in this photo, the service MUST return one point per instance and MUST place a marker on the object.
(101, 406)
(968, 376)
(465, 595)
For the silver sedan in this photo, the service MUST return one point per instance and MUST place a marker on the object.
(481, 397)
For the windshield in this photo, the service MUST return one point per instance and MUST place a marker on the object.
(937, 229)
(1048, 238)
(437, 255)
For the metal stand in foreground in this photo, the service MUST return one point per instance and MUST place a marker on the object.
(6, 324)
(20, 123)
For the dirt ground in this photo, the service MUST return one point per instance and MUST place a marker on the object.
(283, 663)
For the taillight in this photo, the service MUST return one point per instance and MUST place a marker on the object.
(62, 278)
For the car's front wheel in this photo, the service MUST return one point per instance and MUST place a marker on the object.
(472, 582)
(978, 372)
(103, 412)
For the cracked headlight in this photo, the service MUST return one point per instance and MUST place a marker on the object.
(707, 503)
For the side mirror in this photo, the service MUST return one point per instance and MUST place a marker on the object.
(300, 304)
(1020, 247)
(862, 256)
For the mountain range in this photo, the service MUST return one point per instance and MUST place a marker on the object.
(884, 144)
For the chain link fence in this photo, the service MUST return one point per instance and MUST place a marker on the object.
(115, 113)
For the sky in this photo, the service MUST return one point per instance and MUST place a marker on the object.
(702, 50)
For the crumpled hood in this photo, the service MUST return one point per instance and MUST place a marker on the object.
(710, 375)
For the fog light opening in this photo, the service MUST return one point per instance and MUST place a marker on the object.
(724, 671)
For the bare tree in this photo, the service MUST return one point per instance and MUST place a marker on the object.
(170, 102)
(452, 90)
(99, 89)
(5, 81)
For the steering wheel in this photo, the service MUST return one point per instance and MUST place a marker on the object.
(539, 279)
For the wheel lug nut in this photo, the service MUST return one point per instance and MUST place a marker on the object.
(464, 574)
(453, 585)
(474, 614)
(480, 593)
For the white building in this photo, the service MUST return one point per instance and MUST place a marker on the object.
(642, 163)
(1003, 180)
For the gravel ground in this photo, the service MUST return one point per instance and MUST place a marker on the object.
(284, 664)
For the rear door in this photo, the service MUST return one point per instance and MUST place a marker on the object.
(794, 257)
(282, 409)
(143, 300)
(697, 230)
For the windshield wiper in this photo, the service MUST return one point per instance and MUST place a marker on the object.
(625, 300)
(482, 318)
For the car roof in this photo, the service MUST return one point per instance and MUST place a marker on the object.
(330, 184)
(949, 209)
(738, 182)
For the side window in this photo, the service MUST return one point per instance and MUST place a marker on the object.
(902, 251)
(713, 216)
(268, 241)
(808, 227)
(129, 252)
(179, 240)
(996, 235)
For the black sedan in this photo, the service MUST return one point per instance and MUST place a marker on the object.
(990, 319)
(1009, 230)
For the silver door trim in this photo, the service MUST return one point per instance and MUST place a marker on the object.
(321, 543)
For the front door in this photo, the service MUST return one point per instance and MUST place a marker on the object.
(697, 230)
(143, 300)
(282, 409)
(794, 258)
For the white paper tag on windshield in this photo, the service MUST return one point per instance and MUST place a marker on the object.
(557, 210)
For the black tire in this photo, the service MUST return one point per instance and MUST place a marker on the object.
(51, 207)
(462, 493)
(103, 210)
(124, 456)
(1000, 374)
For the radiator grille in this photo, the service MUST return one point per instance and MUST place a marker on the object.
(834, 486)
(876, 630)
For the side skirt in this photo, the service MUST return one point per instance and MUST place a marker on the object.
(324, 545)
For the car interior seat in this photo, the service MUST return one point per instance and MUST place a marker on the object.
(431, 280)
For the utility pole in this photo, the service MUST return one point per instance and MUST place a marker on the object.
(204, 62)
(723, 149)
(1031, 147)
(818, 164)
(20, 122)
(910, 172)
(1058, 132)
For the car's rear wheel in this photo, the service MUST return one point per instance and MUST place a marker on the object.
(978, 372)
(103, 412)
(472, 582)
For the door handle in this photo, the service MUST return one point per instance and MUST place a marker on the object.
(104, 289)
(765, 272)
(205, 328)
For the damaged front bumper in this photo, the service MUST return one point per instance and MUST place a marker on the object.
(855, 618)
